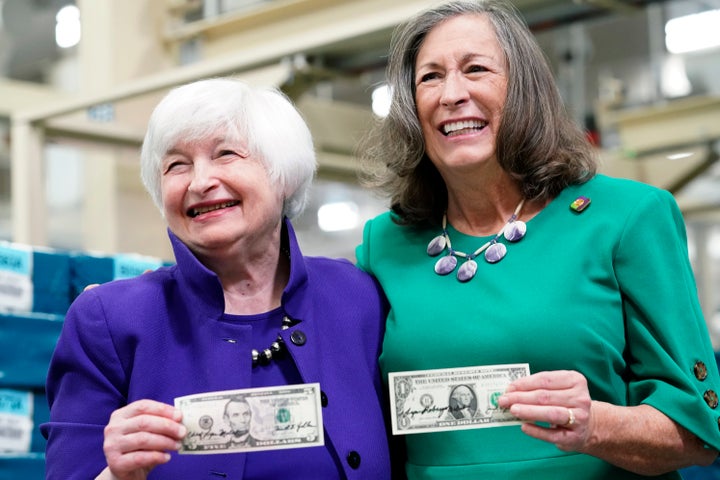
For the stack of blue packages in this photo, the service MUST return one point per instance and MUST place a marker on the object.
(37, 286)
(34, 297)
(34, 279)
(27, 341)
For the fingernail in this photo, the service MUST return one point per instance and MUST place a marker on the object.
(182, 431)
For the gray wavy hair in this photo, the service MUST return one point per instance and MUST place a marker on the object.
(538, 143)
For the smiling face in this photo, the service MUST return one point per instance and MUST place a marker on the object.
(461, 86)
(217, 195)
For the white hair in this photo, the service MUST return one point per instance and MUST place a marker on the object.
(263, 117)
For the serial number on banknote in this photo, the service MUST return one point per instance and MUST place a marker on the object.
(252, 419)
(438, 400)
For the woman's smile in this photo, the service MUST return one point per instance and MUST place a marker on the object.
(196, 211)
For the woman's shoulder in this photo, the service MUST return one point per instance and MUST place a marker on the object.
(618, 187)
(123, 308)
(341, 269)
(615, 194)
(383, 221)
(385, 226)
(336, 275)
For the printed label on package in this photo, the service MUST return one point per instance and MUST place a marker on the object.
(16, 287)
(16, 424)
(128, 266)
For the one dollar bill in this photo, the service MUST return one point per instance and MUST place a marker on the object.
(252, 419)
(425, 401)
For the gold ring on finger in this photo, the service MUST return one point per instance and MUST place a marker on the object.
(571, 418)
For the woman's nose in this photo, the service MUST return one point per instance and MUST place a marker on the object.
(454, 91)
(203, 178)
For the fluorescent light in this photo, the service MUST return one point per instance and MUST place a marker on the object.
(67, 28)
(680, 155)
(337, 216)
(693, 32)
(674, 81)
(381, 98)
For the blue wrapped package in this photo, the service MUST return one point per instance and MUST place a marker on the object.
(88, 269)
(34, 279)
(28, 466)
(51, 281)
(27, 341)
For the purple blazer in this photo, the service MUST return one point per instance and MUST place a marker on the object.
(158, 336)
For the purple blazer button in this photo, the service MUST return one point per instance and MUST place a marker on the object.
(298, 337)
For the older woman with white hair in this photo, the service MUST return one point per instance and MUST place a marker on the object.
(228, 165)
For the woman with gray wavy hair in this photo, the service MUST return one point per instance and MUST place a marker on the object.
(503, 246)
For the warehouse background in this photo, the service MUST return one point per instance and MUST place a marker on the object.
(78, 80)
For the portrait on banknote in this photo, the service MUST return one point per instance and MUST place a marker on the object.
(425, 401)
(252, 419)
(462, 402)
(238, 417)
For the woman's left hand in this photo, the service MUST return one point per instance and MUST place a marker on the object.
(558, 398)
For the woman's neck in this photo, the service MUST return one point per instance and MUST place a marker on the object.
(482, 208)
(256, 289)
(253, 273)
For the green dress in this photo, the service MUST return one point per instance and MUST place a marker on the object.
(608, 292)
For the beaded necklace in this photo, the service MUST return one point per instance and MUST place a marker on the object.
(275, 350)
(513, 231)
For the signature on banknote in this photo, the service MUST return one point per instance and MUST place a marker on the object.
(252, 419)
(457, 398)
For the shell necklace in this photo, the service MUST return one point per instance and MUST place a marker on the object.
(513, 231)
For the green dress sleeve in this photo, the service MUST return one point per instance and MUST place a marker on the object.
(361, 251)
(671, 362)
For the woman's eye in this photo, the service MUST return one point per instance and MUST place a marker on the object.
(426, 77)
(173, 165)
(226, 153)
(476, 68)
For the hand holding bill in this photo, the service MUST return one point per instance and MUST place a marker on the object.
(139, 436)
(559, 398)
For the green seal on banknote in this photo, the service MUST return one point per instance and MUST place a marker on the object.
(282, 415)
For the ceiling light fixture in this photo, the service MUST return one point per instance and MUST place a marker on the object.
(680, 155)
(67, 28)
(694, 32)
